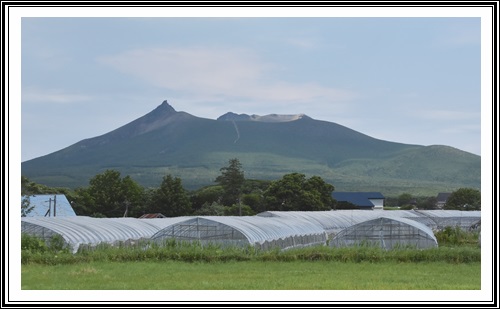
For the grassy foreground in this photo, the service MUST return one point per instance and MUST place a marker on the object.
(252, 275)
(191, 266)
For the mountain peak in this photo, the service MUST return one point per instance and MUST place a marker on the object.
(230, 116)
(165, 107)
(266, 118)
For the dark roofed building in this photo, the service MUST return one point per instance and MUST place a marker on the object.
(362, 200)
(441, 200)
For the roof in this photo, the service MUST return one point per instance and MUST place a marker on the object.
(256, 229)
(42, 202)
(334, 221)
(387, 232)
(152, 216)
(78, 230)
(361, 199)
(443, 197)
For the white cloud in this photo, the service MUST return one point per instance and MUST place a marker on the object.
(51, 96)
(218, 73)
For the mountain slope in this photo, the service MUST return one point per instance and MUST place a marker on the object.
(165, 141)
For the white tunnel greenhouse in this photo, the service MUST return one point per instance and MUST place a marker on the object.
(80, 230)
(452, 218)
(282, 229)
(336, 221)
(261, 232)
(386, 233)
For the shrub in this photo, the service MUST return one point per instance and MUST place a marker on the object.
(32, 243)
(455, 236)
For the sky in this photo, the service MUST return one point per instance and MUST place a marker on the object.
(413, 80)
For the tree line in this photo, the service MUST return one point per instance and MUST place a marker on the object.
(111, 195)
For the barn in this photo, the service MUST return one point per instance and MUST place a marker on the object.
(362, 200)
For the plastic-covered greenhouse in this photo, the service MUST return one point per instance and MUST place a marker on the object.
(444, 218)
(261, 232)
(386, 233)
(336, 221)
(80, 230)
(282, 229)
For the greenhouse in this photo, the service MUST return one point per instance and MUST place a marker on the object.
(282, 229)
(80, 230)
(334, 222)
(444, 218)
(387, 233)
(261, 232)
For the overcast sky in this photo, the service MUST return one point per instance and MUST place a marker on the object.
(408, 80)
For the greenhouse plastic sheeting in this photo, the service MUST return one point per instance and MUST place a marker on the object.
(261, 232)
(335, 221)
(80, 230)
(386, 233)
(444, 218)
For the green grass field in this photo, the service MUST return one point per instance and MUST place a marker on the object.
(177, 265)
(252, 275)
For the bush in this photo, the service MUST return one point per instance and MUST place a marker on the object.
(172, 250)
(32, 243)
(455, 236)
(55, 243)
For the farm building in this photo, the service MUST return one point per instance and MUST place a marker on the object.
(441, 199)
(49, 205)
(78, 230)
(387, 233)
(362, 200)
(261, 232)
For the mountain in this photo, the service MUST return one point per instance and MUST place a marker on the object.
(166, 141)
(266, 118)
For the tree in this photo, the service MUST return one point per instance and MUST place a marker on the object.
(464, 199)
(427, 203)
(231, 180)
(26, 192)
(238, 210)
(208, 209)
(26, 206)
(109, 195)
(295, 192)
(405, 199)
(206, 195)
(171, 199)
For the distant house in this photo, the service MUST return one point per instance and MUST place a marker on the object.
(152, 216)
(362, 200)
(49, 205)
(441, 200)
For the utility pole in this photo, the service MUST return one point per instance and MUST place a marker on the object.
(48, 211)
